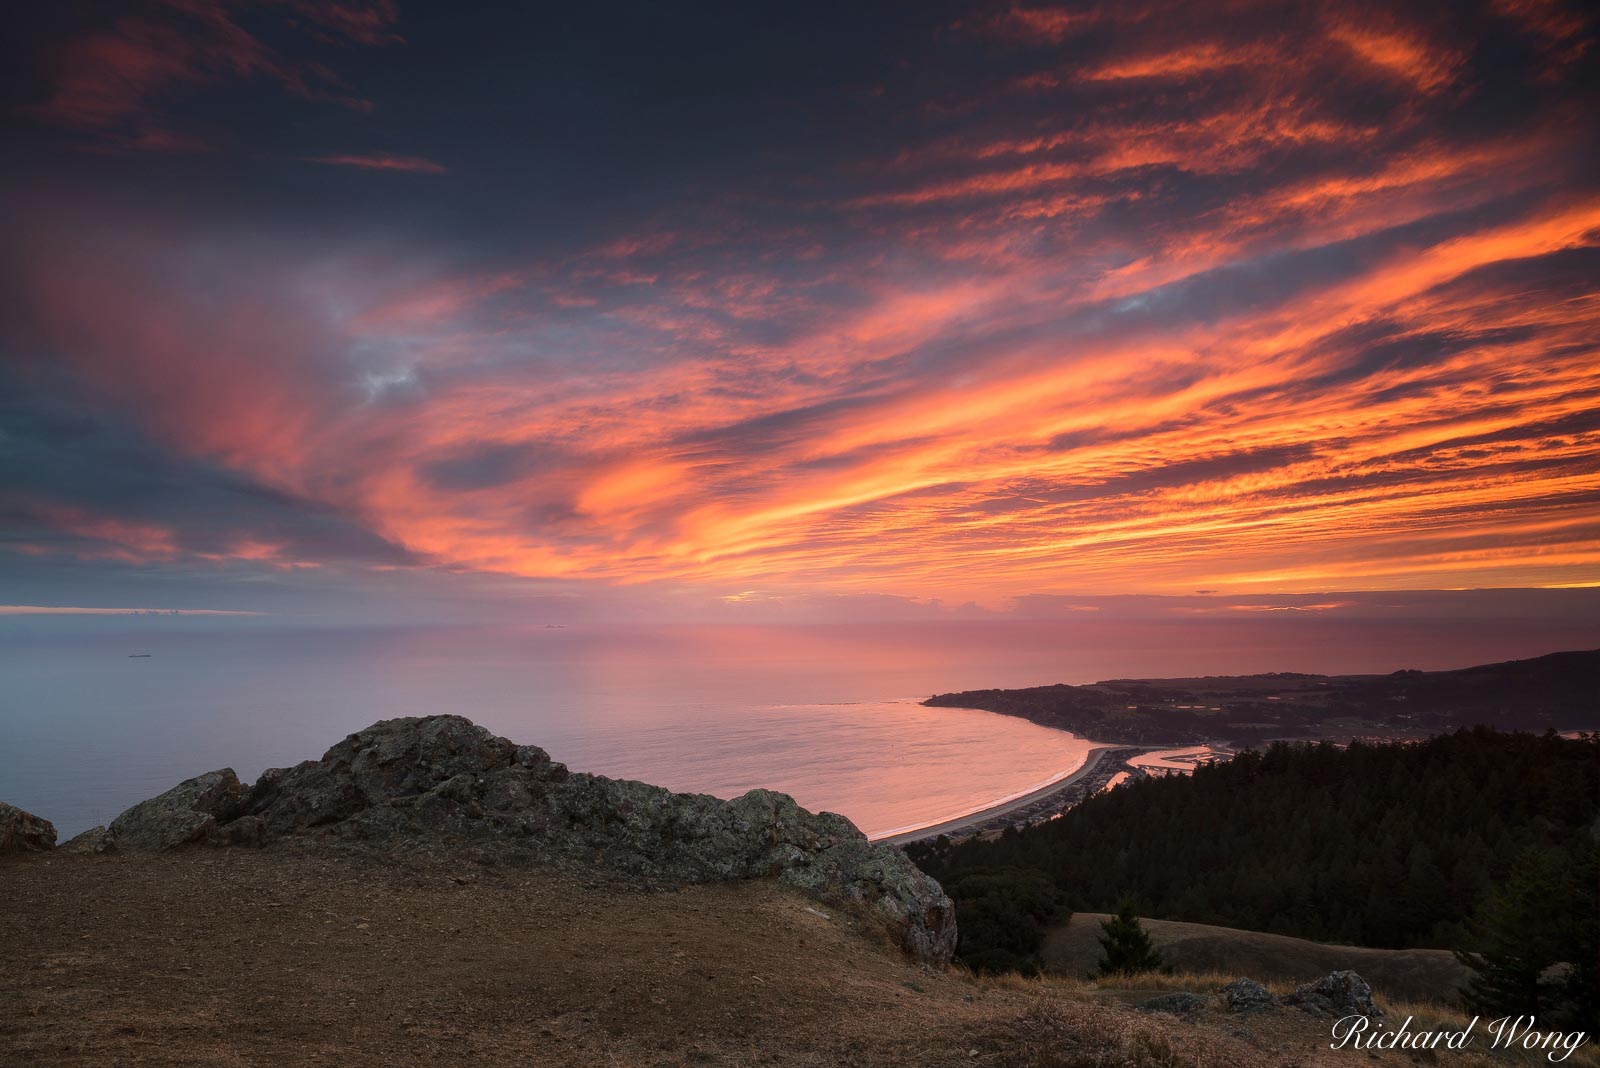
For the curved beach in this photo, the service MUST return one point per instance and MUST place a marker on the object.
(973, 819)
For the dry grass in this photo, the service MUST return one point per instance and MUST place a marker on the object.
(254, 958)
(1054, 1035)
(1425, 1016)
(1431, 1016)
(1199, 982)
(1415, 974)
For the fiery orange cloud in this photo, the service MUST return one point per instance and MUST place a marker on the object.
(1399, 54)
(1187, 62)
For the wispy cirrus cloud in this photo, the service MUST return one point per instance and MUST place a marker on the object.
(382, 161)
(126, 85)
(69, 610)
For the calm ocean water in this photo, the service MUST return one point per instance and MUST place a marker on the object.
(827, 713)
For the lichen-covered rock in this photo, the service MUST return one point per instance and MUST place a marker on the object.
(442, 783)
(1181, 1003)
(192, 811)
(23, 832)
(1335, 996)
(1247, 995)
(399, 758)
(94, 840)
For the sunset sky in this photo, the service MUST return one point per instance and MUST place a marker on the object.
(719, 307)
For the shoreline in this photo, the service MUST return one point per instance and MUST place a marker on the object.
(985, 815)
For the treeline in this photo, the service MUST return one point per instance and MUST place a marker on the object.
(1391, 845)
(1106, 713)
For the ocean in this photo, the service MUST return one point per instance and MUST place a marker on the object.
(827, 713)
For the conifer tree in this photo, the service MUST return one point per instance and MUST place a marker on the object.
(1516, 940)
(1579, 989)
(1127, 945)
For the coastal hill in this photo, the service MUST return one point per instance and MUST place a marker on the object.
(427, 893)
(1560, 691)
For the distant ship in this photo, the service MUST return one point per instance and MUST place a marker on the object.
(135, 656)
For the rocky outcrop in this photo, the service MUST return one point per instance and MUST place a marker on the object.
(1247, 995)
(192, 811)
(94, 840)
(1335, 996)
(23, 832)
(441, 784)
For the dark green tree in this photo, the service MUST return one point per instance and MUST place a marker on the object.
(1578, 990)
(1127, 945)
(1519, 937)
(1393, 846)
(1002, 916)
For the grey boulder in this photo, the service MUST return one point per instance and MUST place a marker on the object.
(1247, 995)
(23, 832)
(1335, 996)
(94, 840)
(1181, 1003)
(192, 811)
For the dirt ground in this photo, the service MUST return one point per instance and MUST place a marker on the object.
(241, 957)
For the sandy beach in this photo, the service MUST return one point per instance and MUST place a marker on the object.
(973, 819)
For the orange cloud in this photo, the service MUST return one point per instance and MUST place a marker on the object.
(1187, 62)
(1179, 317)
(1399, 54)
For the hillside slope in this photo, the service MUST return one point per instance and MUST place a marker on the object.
(1407, 974)
(1395, 846)
(245, 957)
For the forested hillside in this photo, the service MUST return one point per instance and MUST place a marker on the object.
(1392, 845)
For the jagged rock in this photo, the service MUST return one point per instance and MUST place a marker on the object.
(1335, 996)
(23, 832)
(94, 840)
(244, 831)
(192, 811)
(441, 784)
(1181, 1003)
(1247, 995)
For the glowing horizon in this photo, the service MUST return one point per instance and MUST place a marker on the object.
(1123, 299)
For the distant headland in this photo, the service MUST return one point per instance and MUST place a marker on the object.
(1560, 692)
